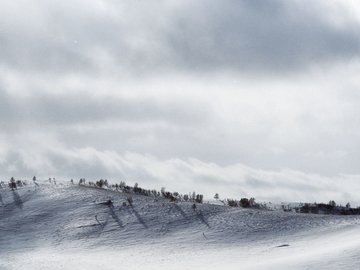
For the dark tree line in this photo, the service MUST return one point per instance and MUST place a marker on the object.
(327, 209)
(243, 202)
(136, 189)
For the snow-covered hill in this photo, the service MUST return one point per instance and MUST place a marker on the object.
(66, 226)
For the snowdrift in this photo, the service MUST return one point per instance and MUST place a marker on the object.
(66, 226)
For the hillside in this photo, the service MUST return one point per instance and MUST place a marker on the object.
(67, 226)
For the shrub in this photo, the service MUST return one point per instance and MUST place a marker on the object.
(100, 183)
(199, 198)
(305, 208)
(244, 202)
(232, 203)
(12, 183)
(122, 184)
(332, 204)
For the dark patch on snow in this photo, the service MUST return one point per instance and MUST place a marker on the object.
(91, 225)
(17, 200)
(284, 245)
(139, 218)
(202, 218)
(115, 217)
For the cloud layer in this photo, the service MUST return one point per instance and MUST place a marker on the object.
(245, 98)
(158, 36)
(232, 181)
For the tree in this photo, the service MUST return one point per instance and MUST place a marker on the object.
(12, 183)
(122, 184)
(332, 203)
(244, 202)
(216, 196)
(100, 183)
(232, 203)
(305, 208)
(252, 202)
(199, 198)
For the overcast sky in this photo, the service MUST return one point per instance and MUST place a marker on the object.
(241, 97)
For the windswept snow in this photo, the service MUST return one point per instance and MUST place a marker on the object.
(67, 227)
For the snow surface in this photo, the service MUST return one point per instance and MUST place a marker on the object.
(66, 227)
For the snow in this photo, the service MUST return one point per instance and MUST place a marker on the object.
(67, 227)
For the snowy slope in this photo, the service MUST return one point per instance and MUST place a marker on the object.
(67, 227)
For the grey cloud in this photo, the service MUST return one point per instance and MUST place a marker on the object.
(245, 36)
(182, 109)
(151, 172)
(315, 140)
(82, 165)
(13, 164)
(10, 113)
(36, 52)
(254, 182)
(84, 108)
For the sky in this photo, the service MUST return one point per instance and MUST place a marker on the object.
(245, 98)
